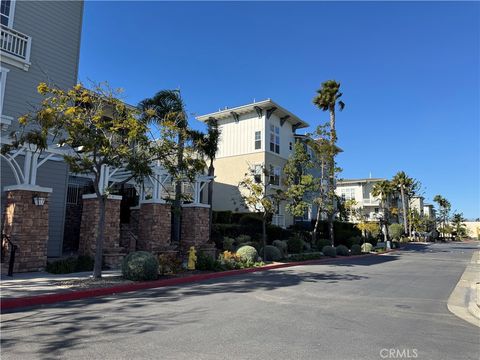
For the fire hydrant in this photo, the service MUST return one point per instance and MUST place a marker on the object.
(192, 258)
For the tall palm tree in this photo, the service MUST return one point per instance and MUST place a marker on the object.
(207, 145)
(169, 107)
(327, 99)
(402, 182)
(383, 190)
(444, 207)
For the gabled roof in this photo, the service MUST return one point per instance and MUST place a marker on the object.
(359, 181)
(264, 105)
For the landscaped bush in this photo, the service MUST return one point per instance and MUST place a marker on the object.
(242, 239)
(395, 244)
(282, 246)
(295, 244)
(395, 231)
(205, 262)
(356, 249)
(222, 217)
(320, 243)
(342, 250)
(251, 220)
(271, 253)
(228, 243)
(306, 256)
(70, 265)
(140, 265)
(255, 244)
(367, 247)
(247, 253)
(354, 240)
(169, 263)
(278, 233)
(329, 251)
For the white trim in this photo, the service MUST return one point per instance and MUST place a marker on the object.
(3, 81)
(152, 201)
(11, 14)
(195, 205)
(94, 196)
(27, 187)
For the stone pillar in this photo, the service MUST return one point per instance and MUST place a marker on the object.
(194, 228)
(154, 227)
(27, 226)
(88, 229)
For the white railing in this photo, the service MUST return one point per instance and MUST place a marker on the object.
(278, 220)
(371, 201)
(15, 43)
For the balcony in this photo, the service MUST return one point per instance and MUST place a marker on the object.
(278, 220)
(15, 47)
(370, 202)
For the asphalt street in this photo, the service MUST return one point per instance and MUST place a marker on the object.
(380, 307)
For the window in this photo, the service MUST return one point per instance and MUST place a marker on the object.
(258, 140)
(275, 176)
(3, 80)
(274, 139)
(347, 193)
(7, 8)
(306, 213)
(290, 146)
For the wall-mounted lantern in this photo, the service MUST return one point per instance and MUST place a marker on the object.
(39, 200)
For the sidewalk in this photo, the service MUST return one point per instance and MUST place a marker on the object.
(464, 301)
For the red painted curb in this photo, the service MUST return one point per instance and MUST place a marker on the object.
(30, 301)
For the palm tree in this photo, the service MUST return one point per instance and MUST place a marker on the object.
(328, 99)
(169, 107)
(383, 190)
(444, 208)
(402, 182)
(207, 145)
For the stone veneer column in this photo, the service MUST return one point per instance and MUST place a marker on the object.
(89, 225)
(194, 228)
(154, 227)
(27, 226)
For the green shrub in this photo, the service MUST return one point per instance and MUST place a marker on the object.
(247, 253)
(329, 251)
(271, 253)
(356, 249)
(242, 239)
(255, 244)
(251, 220)
(84, 263)
(278, 233)
(282, 246)
(320, 243)
(395, 231)
(222, 217)
(228, 243)
(63, 266)
(354, 240)
(205, 262)
(169, 263)
(140, 265)
(342, 250)
(367, 247)
(306, 256)
(295, 244)
(395, 244)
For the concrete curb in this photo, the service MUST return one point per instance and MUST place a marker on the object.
(32, 301)
(463, 301)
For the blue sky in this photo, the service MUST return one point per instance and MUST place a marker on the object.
(409, 72)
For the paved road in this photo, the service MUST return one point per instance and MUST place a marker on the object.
(349, 310)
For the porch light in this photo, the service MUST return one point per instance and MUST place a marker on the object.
(38, 200)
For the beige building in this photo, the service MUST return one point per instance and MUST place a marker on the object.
(253, 135)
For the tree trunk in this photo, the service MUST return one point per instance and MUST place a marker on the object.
(404, 206)
(331, 170)
(264, 236)
(97, 267)
(178, 192)
(211, 172)
(330, 225)
(317, 222)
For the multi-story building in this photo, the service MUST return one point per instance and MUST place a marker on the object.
(253, 135)
(39, 42)
(360, 190)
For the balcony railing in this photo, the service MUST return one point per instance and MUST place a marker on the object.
(369, 201)
(15, 45)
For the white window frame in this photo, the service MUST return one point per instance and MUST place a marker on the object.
(348, 193)
(274, 178)
(3, 81)
(11, 14)
(259, 140)
(275, 136)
